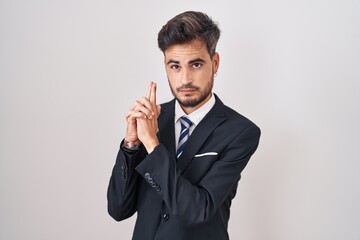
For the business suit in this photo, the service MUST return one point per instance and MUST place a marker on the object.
(188, 198)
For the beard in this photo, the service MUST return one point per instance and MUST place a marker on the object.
(192, 101)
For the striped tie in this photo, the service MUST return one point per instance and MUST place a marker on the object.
(184, 135)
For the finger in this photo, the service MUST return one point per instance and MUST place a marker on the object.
(133, 106)
(153, 94)
(135, 114)
(149, 91)
(127, 115)
(144, 106)
(147, 104)
(139, 106)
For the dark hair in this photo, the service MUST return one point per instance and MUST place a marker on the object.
(187, 27)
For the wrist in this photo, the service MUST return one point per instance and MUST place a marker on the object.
(151, 145)
(131, 145)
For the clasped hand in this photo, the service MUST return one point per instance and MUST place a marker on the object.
(142, 124)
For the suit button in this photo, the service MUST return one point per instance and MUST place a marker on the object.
(158, 188)
(147, 175)
(150, 180)
(166, 216)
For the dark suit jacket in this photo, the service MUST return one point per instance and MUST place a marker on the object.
(188, 198)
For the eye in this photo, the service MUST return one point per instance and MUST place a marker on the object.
(174, 66)
(197, 65)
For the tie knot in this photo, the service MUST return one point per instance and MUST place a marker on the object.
(185, 122)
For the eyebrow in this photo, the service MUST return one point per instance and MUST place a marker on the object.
(196, 60)
(172, 61)
(190, 62)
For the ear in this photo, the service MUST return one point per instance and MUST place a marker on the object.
(216, 61)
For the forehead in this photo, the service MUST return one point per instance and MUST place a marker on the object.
(187, 51)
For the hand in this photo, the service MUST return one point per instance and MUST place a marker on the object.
(147, 127)
(136, 111)
(144, 112)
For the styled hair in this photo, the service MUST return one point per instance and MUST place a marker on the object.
(189, 26)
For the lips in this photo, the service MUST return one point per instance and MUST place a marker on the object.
(187, 90)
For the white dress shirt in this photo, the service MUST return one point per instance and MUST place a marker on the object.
(195, 117)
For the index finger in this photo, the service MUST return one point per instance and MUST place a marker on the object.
(153, 94)
(149, 91)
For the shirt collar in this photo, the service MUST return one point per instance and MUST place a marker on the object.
(198, 114)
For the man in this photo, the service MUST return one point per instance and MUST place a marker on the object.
(179, 164)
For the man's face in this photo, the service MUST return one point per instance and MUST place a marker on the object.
(190, 72)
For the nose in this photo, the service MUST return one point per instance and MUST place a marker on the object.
(185, 77)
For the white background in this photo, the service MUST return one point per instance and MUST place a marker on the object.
(69, 71)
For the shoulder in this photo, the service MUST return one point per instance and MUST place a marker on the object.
(235, 121)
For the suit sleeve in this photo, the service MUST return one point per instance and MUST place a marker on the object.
(121, 194)
(197, 204)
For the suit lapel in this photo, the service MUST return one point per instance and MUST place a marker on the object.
(166, 123)
(207, 125)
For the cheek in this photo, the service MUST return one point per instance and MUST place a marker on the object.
(173, 78)
(205, 75)
(172, 81)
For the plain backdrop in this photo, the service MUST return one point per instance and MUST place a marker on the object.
(69, 71)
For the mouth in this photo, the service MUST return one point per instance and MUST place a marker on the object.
(187, 90)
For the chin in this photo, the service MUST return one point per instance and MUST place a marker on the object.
(188, 101)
